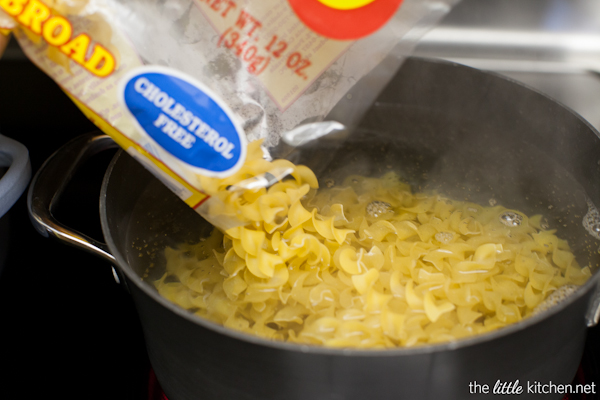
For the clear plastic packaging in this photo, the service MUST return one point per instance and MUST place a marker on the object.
(257, 63)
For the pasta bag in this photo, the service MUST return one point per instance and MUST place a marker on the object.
(185, 85)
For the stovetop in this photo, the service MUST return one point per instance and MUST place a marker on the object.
(67, 328)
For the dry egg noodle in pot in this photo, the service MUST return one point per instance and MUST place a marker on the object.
(466, 134)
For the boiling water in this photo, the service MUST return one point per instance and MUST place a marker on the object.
(591, 220)
(511, 218)
(524, 179)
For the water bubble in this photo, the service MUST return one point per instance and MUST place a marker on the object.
(444, 237)
(472, 209)
(557, 297)
(511, 218)
(493, 202)
(377, 208)
(591, 221)
(329, 183)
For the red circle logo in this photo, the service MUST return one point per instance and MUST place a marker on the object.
(344, 24)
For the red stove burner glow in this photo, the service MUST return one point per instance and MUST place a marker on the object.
(579, 379)
(155, 392)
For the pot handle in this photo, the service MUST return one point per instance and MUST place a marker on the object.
(592, 316)
(48, 184)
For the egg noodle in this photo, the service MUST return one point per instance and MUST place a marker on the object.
(365, 264)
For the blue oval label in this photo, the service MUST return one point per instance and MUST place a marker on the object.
(186, 119)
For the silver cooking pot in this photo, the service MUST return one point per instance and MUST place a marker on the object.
(469, 134)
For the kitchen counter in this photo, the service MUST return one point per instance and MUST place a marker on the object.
(550, 45)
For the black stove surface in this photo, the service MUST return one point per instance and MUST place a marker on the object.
(67, 327)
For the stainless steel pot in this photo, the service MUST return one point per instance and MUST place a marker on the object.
(464, 132)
